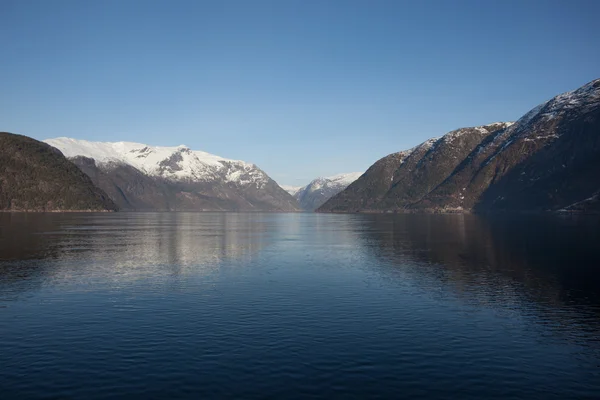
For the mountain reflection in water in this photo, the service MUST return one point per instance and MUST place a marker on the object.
(181, 305)
(498, 261)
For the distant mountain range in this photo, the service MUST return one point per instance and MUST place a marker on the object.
(317, 192)
(137, 176)
(291, 189)
(37, 177)
(549, 160)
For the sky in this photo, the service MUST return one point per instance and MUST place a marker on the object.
(301, 88)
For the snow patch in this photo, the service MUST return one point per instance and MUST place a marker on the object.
(483, 129)
(533, 139)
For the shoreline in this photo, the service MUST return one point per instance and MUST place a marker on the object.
(58, 211)
(466, 212)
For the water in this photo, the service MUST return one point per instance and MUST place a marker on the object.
(218, 305)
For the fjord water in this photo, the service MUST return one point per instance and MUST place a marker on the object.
(226, 305)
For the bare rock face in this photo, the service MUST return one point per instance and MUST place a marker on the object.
(549, 160)
(37, 177)
(142, 177)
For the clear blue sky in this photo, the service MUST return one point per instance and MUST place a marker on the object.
(301, 88)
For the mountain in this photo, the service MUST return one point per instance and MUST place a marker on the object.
(317, 192)
(403, 178)
(37, 177)
(141, 177)
(291, 189)
(549, 160)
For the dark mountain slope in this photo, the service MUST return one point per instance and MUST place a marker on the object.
(564, 166)
(548, 160)
(37, 177)
(413, 183)
(401, 179)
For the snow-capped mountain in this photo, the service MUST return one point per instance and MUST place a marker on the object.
(317, 192)
(139, 176)
(291, 189)
(174, 163)
(548, 160)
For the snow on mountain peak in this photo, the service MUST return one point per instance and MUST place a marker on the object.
(291, 189)
(584, 98)
(174, 163)
(344, 179)
(322, 189)
(334, 181)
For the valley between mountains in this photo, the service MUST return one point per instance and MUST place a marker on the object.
(548, 160)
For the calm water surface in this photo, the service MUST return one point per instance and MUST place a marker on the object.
(203, 305)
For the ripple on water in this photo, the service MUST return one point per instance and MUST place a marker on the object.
(276, 305)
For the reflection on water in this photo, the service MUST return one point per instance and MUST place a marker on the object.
(122, 246)
(145, 237)
(297, 305)
(539, 264)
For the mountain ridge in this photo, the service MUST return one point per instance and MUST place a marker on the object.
(545, 161)
(142, 177)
